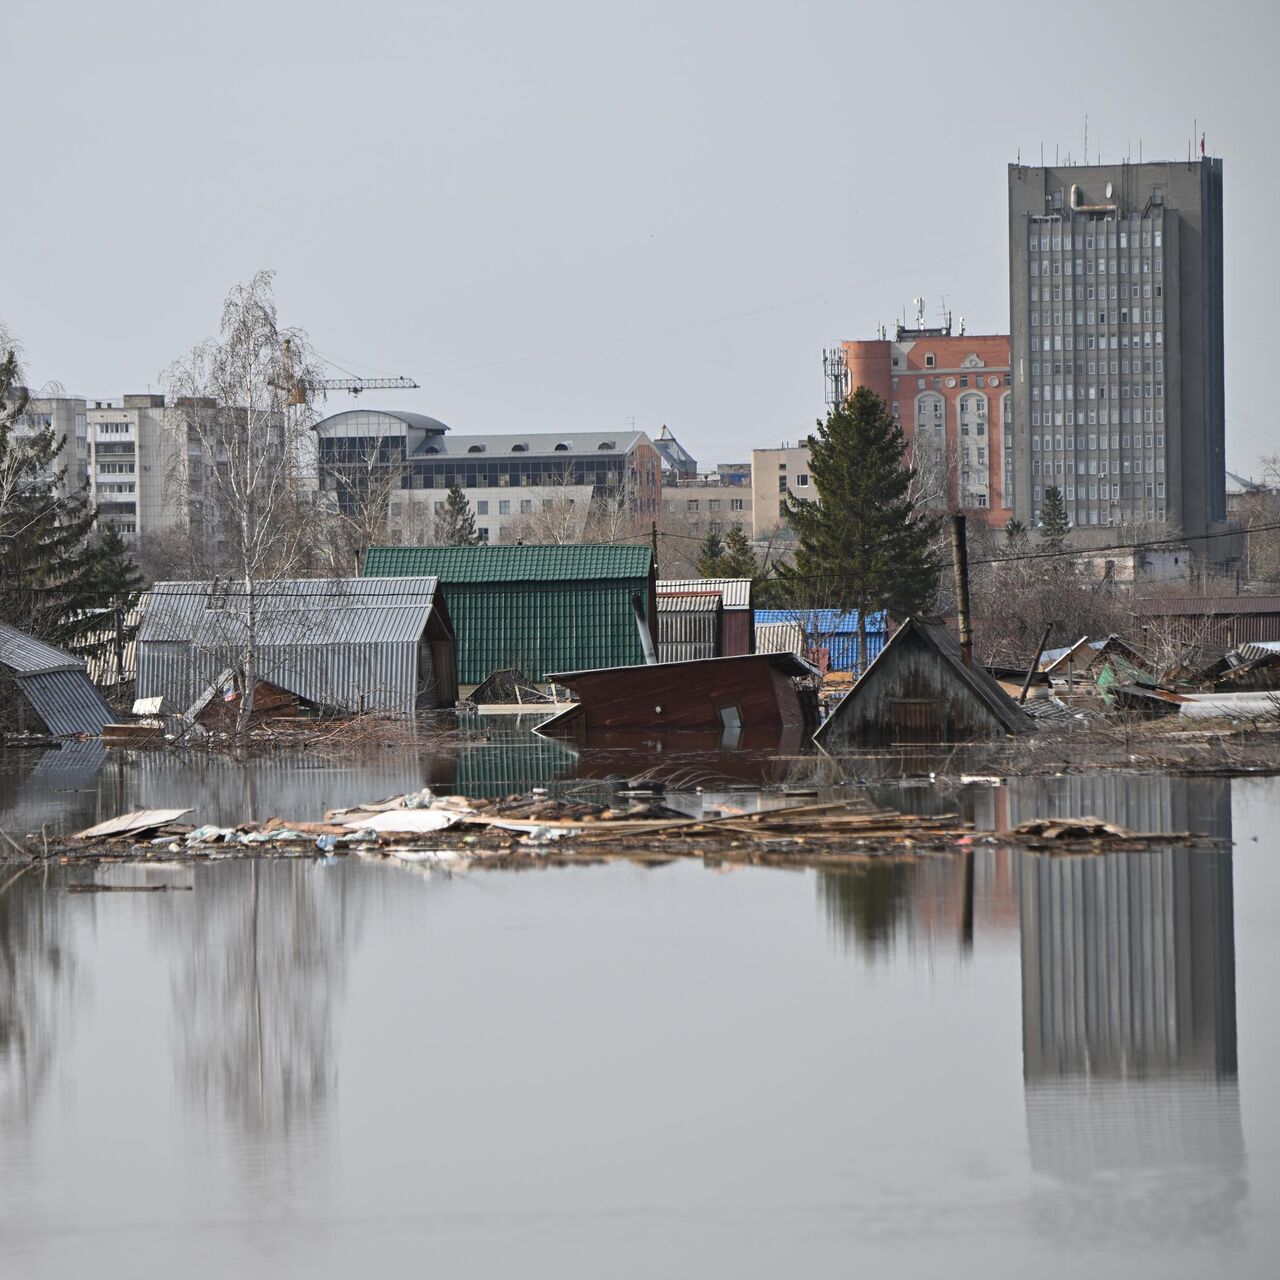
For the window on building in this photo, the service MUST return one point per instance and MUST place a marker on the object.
(782, 484)
(692, 504)
(929, 361)
(526, 506)
(735, 504)
(482, 508)
(802, 480)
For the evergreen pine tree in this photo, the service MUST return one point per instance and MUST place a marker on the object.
(862, 545)
(456, 524)
(51, 582)
(1054, 524)
(710, 556)
(120, 584)
(738, 560)
(1015, 537)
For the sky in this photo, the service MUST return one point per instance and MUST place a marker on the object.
(584, 216)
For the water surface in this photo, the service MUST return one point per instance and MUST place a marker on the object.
(1014, 1064)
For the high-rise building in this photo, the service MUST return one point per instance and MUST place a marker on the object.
(950, 393)
(65, 417)
(1115, 284)
(133, 462)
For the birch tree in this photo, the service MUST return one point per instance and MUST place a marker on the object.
(240, 405)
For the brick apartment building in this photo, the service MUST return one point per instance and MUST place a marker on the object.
(952, 395)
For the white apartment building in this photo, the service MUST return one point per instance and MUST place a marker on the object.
(135, 465)
(65, 416)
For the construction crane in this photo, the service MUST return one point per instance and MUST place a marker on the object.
(357, 385)
(301, 389)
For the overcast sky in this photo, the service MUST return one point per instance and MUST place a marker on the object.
(573, 215)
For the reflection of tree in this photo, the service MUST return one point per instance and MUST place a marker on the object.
(866, 904)
(263, 953)
(36, 970)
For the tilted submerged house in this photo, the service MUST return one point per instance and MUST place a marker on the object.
(350, 644)
(44, 689)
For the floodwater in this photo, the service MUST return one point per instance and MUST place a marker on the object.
(1013, 1064)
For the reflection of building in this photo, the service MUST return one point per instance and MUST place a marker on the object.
(1129, 1016)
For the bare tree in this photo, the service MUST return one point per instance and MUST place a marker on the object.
(359, 480)
(241, 406)
(561, 518)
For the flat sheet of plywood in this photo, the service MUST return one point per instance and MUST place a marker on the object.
(133, 823)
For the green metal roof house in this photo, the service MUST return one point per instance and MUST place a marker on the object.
(538, 608)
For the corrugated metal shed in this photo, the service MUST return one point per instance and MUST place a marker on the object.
(780, 637)
(360, 644)
(537, 608)
(54, 683)
(737, 623)
(689, 624)
(833, 630)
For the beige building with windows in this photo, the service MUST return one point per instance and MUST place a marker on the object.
(774, 474)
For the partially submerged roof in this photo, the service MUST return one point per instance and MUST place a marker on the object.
(788, 664)
(735, 592)
(975, 679)
(25, 655)
(55, 683)
(516, 563)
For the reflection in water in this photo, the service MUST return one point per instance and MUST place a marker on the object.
(1129, 1030)
(37, 974)
(939, 902)
(260, 954)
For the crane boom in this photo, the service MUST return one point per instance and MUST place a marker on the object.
(357, 385)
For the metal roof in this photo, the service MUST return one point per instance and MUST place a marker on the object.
(823, 622)
(299, 611)
(55, 683)
(531, 443)
(420, 421)
(735, 592)
(1178, 606)
(67, 701)
(346, 642)
(688, 602)
(528, 563)
(24, 654)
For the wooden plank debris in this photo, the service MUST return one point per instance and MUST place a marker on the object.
(133, 823)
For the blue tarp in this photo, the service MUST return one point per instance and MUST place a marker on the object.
(834, 631)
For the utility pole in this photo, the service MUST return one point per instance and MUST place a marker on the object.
(960, 563)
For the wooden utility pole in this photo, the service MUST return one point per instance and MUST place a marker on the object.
(1035, 663)
(960, 562)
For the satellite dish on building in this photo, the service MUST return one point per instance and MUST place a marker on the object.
(1109, 190)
